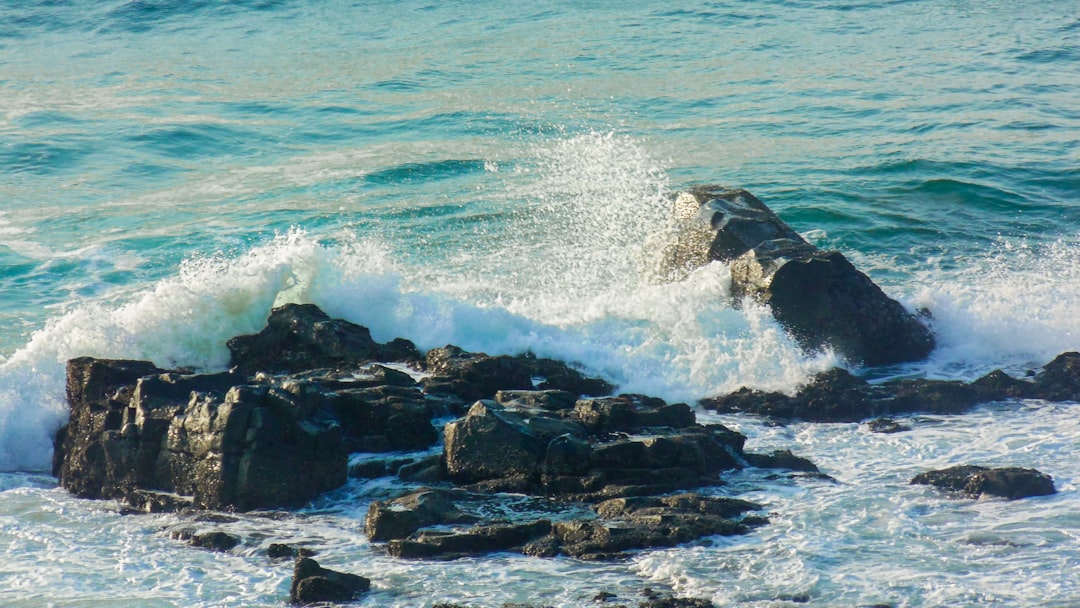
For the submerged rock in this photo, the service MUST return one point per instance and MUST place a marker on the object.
(819, 297)
(974, 481)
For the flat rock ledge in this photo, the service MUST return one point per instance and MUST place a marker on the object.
(1012, 483)
(838, 396)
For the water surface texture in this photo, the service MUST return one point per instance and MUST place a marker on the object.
(498, 176)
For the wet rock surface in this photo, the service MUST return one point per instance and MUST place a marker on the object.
(819, 297)
(838, 396)
(540, 460)
(313, 584)
(975, 481)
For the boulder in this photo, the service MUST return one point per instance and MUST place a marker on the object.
(974, 481)
(139, 434)
(313, 584)
(300, 337)
(405, 515)
(214, 541)
(473, 376)
(631, 412)
(384, 418)
(256, 447)
(493, 442)
(819, 297)
(1059, 380)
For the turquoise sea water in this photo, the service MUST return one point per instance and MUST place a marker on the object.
(498, 175)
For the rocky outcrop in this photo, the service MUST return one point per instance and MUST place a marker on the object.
(472, 376)
(838, 396)
(225, 445)
(819, 297)
(975, 481)
(620, 525)
(300, 337)
(583, 452)
(313, 584)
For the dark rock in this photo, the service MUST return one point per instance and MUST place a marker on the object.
(631, 412)
(646, 522)
(550, 400)
(475, 541)
(838, 396)
(473, 376)
(404, 515)
(313, 584)
(1059, 380)
(937, 396)
(282, 551)
(301, 337)
(998, 386)
(974, 481)
(384, 418)
(818, 296)
(257, 447)
(493, 442)
(557, 376)
(214, 541)
(781, 459)
(227, 447)
(886, 426)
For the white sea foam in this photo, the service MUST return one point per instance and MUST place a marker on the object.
(1014, 308)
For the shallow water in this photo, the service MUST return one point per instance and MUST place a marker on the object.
(499, 177)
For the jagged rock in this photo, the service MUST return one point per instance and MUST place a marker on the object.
(819, 297)
(1060, 379)
(139, 435)
(475, 541)
(974, 481)
(300, 337)
(631, 412)
(676, 602)
(473, 376)
(405, 515)
(384, 418)
(256, 447)
(647, 523)
(314, 584)
(86, 457)
(838, 396)
(493, 442)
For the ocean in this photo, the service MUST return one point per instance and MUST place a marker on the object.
(499, 176)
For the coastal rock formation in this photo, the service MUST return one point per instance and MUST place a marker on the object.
(819, 297)
(620, 525)
(974, 481)
(300, 337)
(582, 451)
(838, 396)
(313, 584)
(225, 443)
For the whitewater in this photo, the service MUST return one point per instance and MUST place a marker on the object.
(501, 178)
